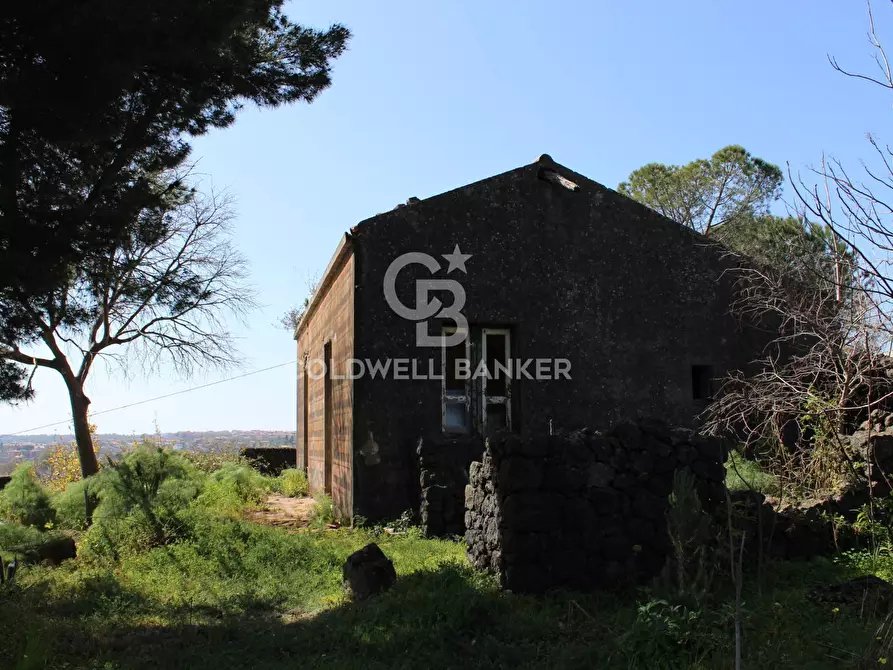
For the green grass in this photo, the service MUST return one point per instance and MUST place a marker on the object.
(293, 483)
(222, 593)
(242, 596)
(743, 474)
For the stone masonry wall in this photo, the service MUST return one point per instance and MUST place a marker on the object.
(558, 268)
(583, 510)
(271, 461)
(443, 474)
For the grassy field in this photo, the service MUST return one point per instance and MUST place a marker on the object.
(243, 596)
(226, 593)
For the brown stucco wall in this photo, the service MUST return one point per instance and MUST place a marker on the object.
(631, 298)
(331, 320)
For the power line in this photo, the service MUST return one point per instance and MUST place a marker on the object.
(161, 397)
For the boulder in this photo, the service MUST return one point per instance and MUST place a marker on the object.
(50, 552)
(368, 572)
(56, 550)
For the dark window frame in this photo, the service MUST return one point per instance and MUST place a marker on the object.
(702, 382)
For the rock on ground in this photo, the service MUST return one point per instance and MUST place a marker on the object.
(368, 572)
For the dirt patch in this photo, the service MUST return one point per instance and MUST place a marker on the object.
(280, 511)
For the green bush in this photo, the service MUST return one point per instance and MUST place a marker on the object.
(743, 474)
(293, 483)
(24, 501)
(691, 565)
(323, 512)
(70, 504)
(111, 539)
(144, 502)
(215, 458)
(148, 478)
(664, 631)
(232, 489)
(19, 539)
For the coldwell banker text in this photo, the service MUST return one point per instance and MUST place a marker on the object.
(535, 369)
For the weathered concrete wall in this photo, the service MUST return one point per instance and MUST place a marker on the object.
(583, 510)
(332, 321)
(630, 298)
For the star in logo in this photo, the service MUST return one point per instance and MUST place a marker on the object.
(457, 260)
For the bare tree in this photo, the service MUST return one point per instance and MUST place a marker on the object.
(820, 373)
(830, 363)
(292, 318)
(162, 296)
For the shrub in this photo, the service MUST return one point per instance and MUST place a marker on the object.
(323, 512)
(138, 480)
(19, 539)
(112, 538)
(143, 501)
(24, 501)
(661, 630)
(293, 483)
(232, 489)
(70, 504)
(692, 563)
(743, 474)
(215, 458)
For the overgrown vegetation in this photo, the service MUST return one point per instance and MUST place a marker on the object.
(323, 512)
(171, 576)
(743, 474)
(215, 458)
(24, 501)
(293, 483)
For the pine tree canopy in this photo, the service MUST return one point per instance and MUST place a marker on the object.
(98, 102)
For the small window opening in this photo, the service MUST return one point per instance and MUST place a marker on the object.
(456, 392)
(496, 384)
(477, 382)
(701, 382)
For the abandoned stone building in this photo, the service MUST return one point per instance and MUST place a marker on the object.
(534, 301)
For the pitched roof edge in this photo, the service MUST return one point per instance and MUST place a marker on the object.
(421, 201)
(345, 248)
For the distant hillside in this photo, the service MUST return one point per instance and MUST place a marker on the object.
(183, 434)
(31, 446)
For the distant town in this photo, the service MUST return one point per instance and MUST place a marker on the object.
(33, 447)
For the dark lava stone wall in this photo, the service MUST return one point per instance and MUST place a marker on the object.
(444, 465)
(271, 460)
(632, 299)
(583, 510)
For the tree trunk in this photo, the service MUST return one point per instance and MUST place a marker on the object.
(80, 405)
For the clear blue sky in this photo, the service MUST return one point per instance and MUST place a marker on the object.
(433, 95)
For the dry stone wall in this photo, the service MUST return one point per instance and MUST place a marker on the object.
(271, 460)
(443, 474)
(583, 510)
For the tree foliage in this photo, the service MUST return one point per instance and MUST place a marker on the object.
(707, 193)
(160, 296)
(61, 465)
(840, 372)
(292, 318)
(808, 254)
(97, 107)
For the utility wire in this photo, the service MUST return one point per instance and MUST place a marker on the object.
(161, 397)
